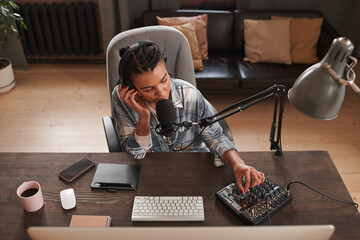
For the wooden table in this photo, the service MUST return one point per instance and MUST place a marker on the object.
(173, 174)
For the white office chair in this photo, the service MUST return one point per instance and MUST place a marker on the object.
(179, 63)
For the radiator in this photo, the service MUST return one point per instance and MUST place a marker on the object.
(59, 29)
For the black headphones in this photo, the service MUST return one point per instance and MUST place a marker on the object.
(130, 51)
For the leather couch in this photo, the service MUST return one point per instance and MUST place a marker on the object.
(225, 71)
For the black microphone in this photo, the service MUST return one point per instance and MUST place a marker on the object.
(165, 112)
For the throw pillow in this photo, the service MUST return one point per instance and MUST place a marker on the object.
(304, 36)
(188, 29)
(267, 41)
(200, 28)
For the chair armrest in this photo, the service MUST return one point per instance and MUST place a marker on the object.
(110, 134)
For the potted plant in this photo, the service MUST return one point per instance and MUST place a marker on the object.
(8, 19)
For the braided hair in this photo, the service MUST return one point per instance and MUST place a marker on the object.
(142, 60)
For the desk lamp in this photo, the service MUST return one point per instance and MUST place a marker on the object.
(320, 90)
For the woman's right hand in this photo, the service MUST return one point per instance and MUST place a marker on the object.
(132, 99)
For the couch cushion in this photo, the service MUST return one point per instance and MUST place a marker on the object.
(240, 15)
(267, 41)
(220, 71)
(304, 36)
(200, 23)
(263, 75)
(220, 26)
(188, 29)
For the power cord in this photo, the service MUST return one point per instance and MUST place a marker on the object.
(321, 193)
(315, 190)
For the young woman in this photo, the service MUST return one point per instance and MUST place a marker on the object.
(144, 82)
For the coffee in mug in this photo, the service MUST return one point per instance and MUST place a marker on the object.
(30, 196)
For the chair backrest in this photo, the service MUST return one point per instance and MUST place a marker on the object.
(171, 41)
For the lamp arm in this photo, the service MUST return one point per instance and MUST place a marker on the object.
(279, 91)
(355, 88)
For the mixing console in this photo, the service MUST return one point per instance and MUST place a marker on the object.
(253, 207)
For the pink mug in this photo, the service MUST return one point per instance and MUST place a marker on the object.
(30, 196)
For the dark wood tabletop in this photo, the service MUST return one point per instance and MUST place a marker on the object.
(173, 174)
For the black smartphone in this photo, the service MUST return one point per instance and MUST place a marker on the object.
(72, 172)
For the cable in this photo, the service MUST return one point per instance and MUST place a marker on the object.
(182, 149)
(203, 128)
(315, 190)
(325, 195)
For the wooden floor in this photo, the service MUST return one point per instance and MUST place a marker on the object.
(58, 108)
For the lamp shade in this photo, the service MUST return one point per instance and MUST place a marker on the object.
(315, 93)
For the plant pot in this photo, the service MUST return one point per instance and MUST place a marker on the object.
(7, 79)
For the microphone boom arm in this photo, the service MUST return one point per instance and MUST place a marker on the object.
(279, 92)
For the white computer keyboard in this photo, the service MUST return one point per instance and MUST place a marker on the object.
(165, 208)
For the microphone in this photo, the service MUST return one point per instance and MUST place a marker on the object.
(165, 112)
